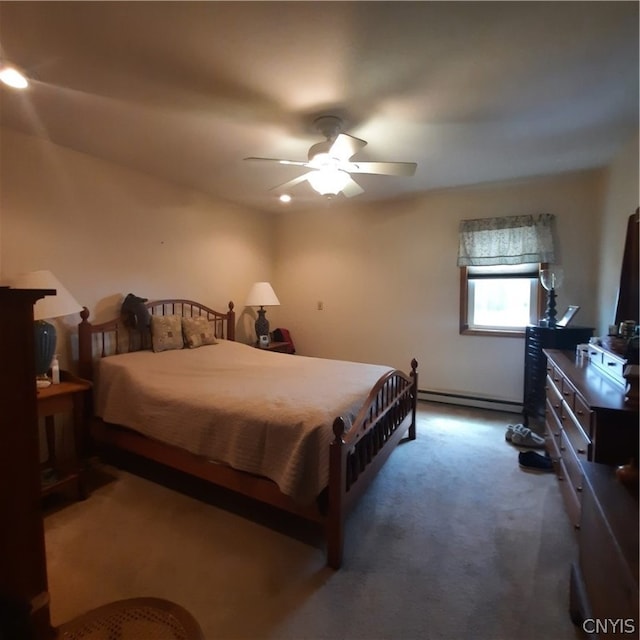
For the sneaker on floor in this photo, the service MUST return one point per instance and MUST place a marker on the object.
(511, 429)
(527, 438)
(532, 461)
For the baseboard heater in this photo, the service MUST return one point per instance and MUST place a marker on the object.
(464, 400)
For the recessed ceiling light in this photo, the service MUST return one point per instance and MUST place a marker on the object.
(285, 197)
(13, 78)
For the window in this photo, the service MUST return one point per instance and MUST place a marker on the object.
(500, 300)
(500, 261)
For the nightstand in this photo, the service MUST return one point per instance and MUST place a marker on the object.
(68, 397)
(281, 347)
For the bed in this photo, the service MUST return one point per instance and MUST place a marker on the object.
(302, 434)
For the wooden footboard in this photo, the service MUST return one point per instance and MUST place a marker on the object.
(360, 449)
(357, 453)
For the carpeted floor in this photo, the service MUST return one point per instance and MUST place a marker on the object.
(453, 541)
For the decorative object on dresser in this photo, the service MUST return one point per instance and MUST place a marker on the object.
(568, 315)
(535, 365)
(604, 578)
(61, 304)
(551, 279)
(587, 419)
(262, 295)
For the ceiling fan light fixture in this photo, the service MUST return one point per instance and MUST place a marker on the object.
(328, 181)
(12, 77)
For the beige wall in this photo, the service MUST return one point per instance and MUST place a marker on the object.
(622, 199)
(105, 231)
(388, 279)
(386, 274)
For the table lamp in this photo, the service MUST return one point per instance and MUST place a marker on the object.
(551, 279)
(62, 304)
(262, 295)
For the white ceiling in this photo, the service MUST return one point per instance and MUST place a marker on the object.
(471, 91)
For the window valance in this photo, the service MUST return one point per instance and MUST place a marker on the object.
(507, 240)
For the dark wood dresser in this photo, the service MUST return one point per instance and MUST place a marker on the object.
(24, 595)
(604, 579)
(535, 364)
(587, 420)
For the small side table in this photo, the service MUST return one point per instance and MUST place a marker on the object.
(69, 396)
(281, 347)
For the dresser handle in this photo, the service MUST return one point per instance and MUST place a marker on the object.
(611, 364)
(576, 526)
(578, 489)
(563, 448)
(566, 394)
(579, 412)
(581, 451)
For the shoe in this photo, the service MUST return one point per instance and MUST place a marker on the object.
(532, 461)
(511, 429)
(527, 438)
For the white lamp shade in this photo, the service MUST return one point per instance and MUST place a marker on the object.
(62, 304)
(328, 181)
(262, 295)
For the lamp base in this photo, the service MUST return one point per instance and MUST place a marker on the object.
(550, 313)
(45, 346)
(262, 324)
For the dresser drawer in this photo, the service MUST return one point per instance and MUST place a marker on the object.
(554, 395)
(578, 439)
(573, 468)
(554, 431)
(568, 394)
(614, 367)
(584, 416)
(554, 374)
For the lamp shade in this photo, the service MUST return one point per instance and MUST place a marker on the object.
(62, 304)
(262, 295)
(328, 181)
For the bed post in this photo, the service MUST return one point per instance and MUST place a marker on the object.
(85, 360)
(231, 322)
(334, 527)
(414, 398)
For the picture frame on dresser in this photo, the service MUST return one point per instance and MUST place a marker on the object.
(568, 316)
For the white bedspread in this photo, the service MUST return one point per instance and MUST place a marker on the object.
(258, 411)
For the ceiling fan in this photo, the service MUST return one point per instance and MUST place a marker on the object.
(331, 166)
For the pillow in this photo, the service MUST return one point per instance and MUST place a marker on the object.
(197, 331)
(166, 333)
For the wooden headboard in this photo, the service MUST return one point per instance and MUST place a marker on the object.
(114, 336)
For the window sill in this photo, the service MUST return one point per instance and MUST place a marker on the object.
(495, 333)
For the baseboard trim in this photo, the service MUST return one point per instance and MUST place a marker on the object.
(479, 402)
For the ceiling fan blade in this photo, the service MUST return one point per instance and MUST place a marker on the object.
(352, 188)
(384, 168)
(297, 163)
(344, 146)
(291, 183)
